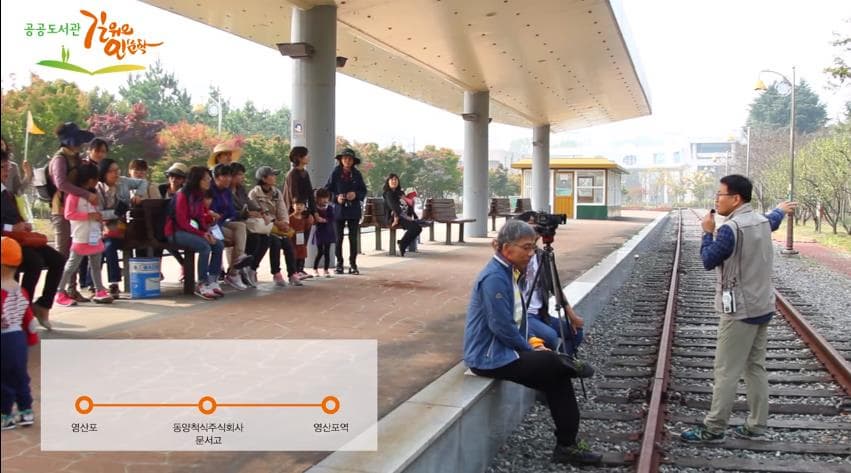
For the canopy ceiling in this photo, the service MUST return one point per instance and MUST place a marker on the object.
(562, 62)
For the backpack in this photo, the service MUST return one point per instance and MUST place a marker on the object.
(44, 187)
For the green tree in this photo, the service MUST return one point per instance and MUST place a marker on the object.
(102, 101)
(771, 109)
(51, 103)
(840, 70)
(260, 150)
(501, 184)
(439, 174)
(161, 93)
(824, 169)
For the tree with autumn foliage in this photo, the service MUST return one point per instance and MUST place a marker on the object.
(129, 135)
(189, 143)
(51, 103)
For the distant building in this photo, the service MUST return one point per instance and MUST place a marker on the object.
(716, 157)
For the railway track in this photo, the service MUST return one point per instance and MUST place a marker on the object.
(657, 380)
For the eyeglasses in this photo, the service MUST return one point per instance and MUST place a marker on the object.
(719, 194)
(528, 247)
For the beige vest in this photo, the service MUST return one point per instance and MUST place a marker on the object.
(748, 270)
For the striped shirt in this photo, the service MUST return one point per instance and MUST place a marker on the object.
(14, 307)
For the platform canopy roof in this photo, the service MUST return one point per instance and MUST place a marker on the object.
(575, 162)
(562, 62)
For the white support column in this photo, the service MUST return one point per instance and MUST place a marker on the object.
(541, 168)
(314, 82)
(476, 119)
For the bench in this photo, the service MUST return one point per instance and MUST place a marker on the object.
(523, 205)
(500, 207)
(144, 233)
(443, 211)
(375, 215)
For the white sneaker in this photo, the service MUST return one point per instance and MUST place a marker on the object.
(217, 290)
(294, 281)
(235, 281)
(203, 291)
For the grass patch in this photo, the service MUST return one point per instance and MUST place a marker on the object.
(840, 241)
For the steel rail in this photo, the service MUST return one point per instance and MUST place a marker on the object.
(649, 455)
(831, 359)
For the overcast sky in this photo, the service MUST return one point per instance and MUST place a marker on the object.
(700, 59)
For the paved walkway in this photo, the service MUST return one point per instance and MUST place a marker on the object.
(413, 306)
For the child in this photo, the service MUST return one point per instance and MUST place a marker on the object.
(324, 235)
(18, 331)
(86, 239)
(300, 222)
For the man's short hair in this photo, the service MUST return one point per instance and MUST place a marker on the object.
(236, 168)
(512, 231)
(739, 185)
(222, 170)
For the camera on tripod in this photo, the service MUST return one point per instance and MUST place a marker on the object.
(547, 224)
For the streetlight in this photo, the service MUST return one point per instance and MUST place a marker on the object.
(790, 224)
(216, 108)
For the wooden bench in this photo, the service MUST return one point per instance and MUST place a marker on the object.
(500, 207)
(145, 231)
(522, 205)
(443, 211)
(375, 215)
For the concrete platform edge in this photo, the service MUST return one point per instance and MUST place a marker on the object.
(425, 433)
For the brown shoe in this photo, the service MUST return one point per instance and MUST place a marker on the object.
(73, 293)
(42, 314)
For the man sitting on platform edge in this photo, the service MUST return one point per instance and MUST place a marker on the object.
(495, 345)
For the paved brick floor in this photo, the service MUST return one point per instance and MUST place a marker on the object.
(414, 307)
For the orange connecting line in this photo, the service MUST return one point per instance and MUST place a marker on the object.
(207, 405)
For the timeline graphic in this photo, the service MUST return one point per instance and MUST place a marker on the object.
(209, 395)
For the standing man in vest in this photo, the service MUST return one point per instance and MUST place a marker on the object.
(742, 256)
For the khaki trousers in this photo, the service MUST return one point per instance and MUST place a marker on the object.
(740, 349)
(235, 233)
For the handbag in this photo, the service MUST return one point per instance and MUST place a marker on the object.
(28, 239)
(258, 225)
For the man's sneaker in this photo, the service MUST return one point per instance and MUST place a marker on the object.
(26, 417)
(63, 299)
(354, 270)
(338, 269)
(204, 292)
(235, 281)
(243, 261)
(114, 291)
(294, 281)
(103, 297)
(577, 454)
(279, 280)
(699, 434)
(214, 286)
(247, 278)
(304, 275)
(73, 293)
(743, 432)
(8, 422)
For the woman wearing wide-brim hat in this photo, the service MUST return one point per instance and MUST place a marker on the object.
(223, 153)
(348, 190)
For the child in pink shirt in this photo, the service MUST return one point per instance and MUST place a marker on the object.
(86, 238)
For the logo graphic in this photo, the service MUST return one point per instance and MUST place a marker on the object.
(117, 42)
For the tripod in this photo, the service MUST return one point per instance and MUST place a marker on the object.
(551, 283)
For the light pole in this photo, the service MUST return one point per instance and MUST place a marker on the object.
(790, 224)
(216, 109)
